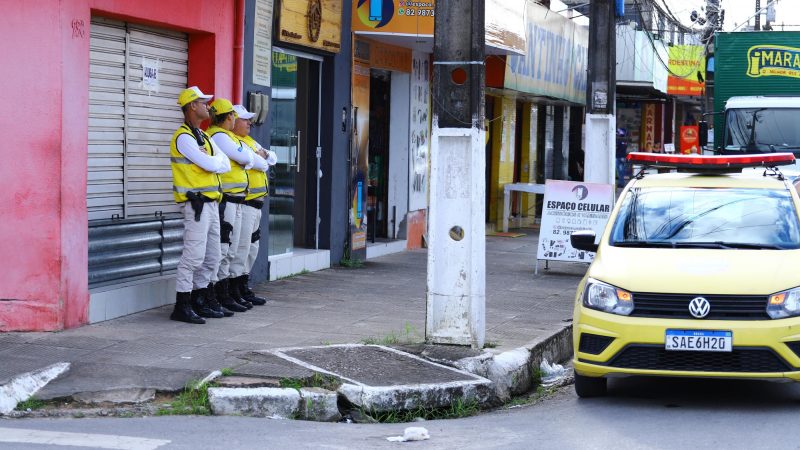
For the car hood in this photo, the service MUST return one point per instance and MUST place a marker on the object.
(697, 271)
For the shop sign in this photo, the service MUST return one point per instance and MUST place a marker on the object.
(773, 60)
(393, 16)
(505, 28)
(690, 142)
(382, 56)
(568, 207)
(419, 131)
(311, 23)
(649, 124)
(687, 64)
(262, 43)
(555, 64)
(359, 157)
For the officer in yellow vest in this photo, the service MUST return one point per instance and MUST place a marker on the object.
(234, 188)
(251, 211)
(196, 165)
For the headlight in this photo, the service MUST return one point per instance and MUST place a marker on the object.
(784, 304)
(604, 297)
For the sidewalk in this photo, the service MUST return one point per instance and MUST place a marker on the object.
(382, 302)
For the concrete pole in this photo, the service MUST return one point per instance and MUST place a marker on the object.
(456, 294)
(601, 122)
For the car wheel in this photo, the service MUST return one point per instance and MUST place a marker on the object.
(590, 386)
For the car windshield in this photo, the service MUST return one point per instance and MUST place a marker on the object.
(763, 130)
(707, 218)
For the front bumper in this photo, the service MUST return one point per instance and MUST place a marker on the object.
(760, 349)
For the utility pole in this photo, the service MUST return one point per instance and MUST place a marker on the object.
(757, 26)
(601, 93)
(456, 296)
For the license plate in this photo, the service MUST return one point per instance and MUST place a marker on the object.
(699, 341)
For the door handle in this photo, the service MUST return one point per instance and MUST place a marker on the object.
(297, 151)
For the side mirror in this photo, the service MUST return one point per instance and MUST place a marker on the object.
(703, 133)
(583, 240)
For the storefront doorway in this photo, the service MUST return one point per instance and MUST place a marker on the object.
(295, 139)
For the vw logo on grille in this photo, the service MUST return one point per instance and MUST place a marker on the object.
(699, 307)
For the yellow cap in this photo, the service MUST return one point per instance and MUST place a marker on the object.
(221, 106)
(192, 94)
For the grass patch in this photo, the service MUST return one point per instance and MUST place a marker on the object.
(351, 263)
(193, 401)
(226, 371)
(409, 335)
(32, 404)
(302, 272)
(317, 380)
(491, 344)
(457, 409)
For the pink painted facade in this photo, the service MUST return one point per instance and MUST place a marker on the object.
(44, 84)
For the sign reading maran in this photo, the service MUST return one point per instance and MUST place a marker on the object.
(773, 60)
(556, 61)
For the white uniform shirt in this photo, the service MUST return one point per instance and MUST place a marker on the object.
(187, 146)
(233, 150)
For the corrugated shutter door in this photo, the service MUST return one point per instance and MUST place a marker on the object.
(104, 187)
(152, 117)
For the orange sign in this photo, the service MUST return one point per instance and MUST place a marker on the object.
(393, 16)
(382, 56)
(649, 125)
(690, 142)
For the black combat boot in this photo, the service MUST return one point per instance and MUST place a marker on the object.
(183, 311)
(200, 305)
(247, 293)
(221, 291)
(233, 290)
(214, 304)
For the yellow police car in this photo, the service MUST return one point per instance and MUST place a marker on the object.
(695, 275)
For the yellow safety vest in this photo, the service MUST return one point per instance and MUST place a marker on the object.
(258, 184)
(235, 181)
(188, 176)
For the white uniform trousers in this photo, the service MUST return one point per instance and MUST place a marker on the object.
(233, 216)
(200, 258)
(248, 251)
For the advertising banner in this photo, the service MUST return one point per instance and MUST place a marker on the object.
(571, 206)
(359, 158)
(555, 63)
(393, 16)
(690, 139)
(685, 62)
(419, 132)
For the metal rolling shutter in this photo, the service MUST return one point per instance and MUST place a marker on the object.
(105, 183)
(130, 181)
(152, 117)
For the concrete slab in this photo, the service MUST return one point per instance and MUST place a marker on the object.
(380, 378)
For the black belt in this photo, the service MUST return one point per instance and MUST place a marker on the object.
(255, 203)
(197, 201)
(233, 199)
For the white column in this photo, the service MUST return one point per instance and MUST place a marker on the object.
(601, 148)
(456, 235)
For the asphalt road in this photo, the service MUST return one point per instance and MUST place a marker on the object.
(638, 414)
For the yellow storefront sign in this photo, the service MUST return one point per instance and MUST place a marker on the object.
(773, 60)
(393, 16)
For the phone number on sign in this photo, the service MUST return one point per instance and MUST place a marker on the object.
(418, 12)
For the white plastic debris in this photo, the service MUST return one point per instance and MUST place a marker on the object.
(411, 434)
(552, 374)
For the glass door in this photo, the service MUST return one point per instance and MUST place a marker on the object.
(284, 140)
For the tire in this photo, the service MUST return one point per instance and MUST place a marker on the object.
(587, 387)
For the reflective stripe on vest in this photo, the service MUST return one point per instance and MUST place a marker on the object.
(235, 181)
(189, 177)
(258, 185)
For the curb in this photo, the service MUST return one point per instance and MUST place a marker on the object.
(23, 386)
(511, 372)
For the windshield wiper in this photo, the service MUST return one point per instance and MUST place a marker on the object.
(746, 245)
(666, 244)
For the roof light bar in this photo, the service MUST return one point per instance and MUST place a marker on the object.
(715, 162)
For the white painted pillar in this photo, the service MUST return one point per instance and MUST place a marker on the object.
(456, 234)
(599, 164)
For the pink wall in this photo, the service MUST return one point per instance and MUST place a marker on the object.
(44, 83)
